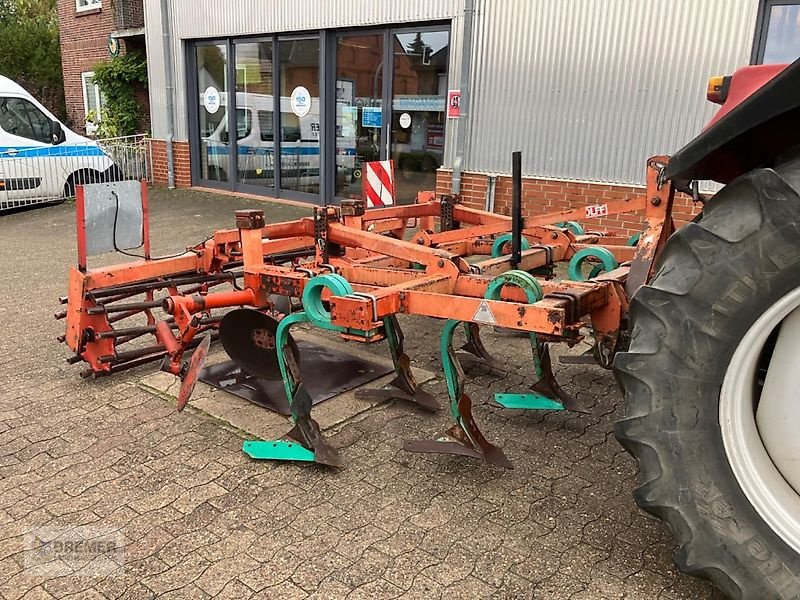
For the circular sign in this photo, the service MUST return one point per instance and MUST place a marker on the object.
(300, 101)
(113, 46)
(211, 99)
(405, 120)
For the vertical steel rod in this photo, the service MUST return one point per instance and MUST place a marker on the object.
(516, 208)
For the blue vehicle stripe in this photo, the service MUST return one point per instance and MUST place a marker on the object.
(52, 151)
(254, 151)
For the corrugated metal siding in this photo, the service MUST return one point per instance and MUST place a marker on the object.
(587, 89)
(196, 19)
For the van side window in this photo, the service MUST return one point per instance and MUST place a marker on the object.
(242, 123)
(290, 127)
(21, 117)
(243, 126)
(265, 125)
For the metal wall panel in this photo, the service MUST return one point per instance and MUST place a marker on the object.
(589, 89)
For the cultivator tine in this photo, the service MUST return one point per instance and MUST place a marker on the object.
(192, 372)
(404, 386)
(306, 432)
(549, 387)
(548, 394)
(464, 438)
(474, 345)
(310, 445)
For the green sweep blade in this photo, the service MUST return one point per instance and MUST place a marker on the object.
(277, 450)
(527, 402)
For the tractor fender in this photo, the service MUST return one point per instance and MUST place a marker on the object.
(760, 121)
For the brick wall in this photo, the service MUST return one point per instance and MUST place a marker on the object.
(84, 43)
(540, 196)
(158, 164)
(128, 14)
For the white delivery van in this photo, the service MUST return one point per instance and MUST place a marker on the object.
(40, 159)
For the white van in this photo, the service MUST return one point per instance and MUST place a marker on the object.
(40, 159)
(299, 140)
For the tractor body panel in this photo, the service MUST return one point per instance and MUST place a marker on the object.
(759, 121)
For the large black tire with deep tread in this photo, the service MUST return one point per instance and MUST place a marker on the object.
(713, 280)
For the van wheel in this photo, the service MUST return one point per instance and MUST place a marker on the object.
(80, 178)
(711, 383)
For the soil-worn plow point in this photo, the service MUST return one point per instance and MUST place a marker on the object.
(404, 386)
(474, 346)
(548, 387)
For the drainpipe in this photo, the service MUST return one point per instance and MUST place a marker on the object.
(169, 88)
(488, 204)
(466, 67)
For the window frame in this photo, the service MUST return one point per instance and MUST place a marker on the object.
(95, 4)
(85, 76)
(762, 27)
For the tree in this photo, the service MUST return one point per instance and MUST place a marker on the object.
(30, 51)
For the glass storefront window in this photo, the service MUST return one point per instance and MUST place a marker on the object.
(212, 93)
(359, 93)
(254, 114)
(419, 84)
(259, 113)
(299, 115)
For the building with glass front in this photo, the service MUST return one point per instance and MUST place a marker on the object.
(289, 98)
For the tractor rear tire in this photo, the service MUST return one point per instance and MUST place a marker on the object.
(716, 277)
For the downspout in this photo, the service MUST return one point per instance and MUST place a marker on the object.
(466, 68)
(169, 88)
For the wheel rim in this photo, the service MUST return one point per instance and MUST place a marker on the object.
(762, 448)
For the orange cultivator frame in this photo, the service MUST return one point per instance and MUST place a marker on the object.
(355, 271)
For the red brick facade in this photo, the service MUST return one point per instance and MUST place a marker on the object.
(84, 43)
(540, 196)
(158, 165)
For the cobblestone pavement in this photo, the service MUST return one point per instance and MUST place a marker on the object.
(198, 519)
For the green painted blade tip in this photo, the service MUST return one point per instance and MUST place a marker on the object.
(527, 402)
(277, 450)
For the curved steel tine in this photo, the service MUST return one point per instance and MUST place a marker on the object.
(548, 386)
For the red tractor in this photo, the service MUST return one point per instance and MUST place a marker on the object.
(712, 375)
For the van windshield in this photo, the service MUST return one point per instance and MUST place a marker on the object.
(20, 117)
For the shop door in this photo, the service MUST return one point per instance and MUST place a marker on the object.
(419, 94)
(299, 118)
(254, 102)
(359, 96)
(211, 62)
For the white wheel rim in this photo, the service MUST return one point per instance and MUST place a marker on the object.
(766, 468)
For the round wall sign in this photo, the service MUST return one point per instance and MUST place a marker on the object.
(211, 99)
(113, 46)
(405, 120)
(300, 101)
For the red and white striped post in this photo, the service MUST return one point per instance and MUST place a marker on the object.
(379, 183)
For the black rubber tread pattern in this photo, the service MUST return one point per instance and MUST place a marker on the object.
(714, 279)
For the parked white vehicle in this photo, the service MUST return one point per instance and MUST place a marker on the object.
(40, 159)
(299, 140)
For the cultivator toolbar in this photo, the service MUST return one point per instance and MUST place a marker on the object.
(354, 271)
